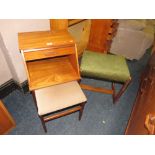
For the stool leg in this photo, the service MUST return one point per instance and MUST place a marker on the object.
(122, 90)
(81, 110)
(43, 123)
(113, 88)
(41, 118)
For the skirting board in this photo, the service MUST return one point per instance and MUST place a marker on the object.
(10, 86)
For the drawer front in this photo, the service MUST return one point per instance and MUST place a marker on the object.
(46, 53)
(144, 105)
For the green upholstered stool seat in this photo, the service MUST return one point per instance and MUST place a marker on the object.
(104, 66)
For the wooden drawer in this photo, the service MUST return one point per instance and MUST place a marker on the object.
(144, 105)
(46, 53)
(138, 115)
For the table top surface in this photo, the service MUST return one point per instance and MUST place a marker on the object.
(44, 39)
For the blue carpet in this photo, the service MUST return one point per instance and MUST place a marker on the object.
(100, 117)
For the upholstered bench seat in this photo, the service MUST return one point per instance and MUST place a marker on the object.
(57, 97)
(104, 66)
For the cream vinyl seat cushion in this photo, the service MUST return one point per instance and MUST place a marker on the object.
(57, 97)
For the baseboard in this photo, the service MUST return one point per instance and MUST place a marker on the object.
(24, 86)
(10, 86)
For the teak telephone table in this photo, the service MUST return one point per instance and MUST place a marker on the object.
(50, 58)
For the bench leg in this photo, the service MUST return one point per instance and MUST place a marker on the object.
(122, 90)
(81, 110)
(43, 123)
(41, 117)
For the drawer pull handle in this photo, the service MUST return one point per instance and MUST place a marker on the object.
(50, 43)
(150, 123)
(49, 53)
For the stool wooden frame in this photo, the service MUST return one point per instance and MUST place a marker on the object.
(110, 33)
(112, 91)
(60, 113)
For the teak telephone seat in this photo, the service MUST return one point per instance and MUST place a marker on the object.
(51, 63)
(58, 101)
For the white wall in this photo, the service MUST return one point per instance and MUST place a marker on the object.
(9, 29)
(5, 73)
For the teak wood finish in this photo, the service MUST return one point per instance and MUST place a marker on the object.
(150, 123)
(63, 24)
(48, 52)
(72, 22)
(101, 34)
(6, 121)
(49, 72)
(96, 35)
(45, 118)
(32, 41)
(111, 91)
(117, 95)
(142, 118)
(96, 89)
(79, 29)
(58, 24)
(68, 111)
(50, 58)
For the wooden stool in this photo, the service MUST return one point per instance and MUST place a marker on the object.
(107, 67)
(59, 100)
